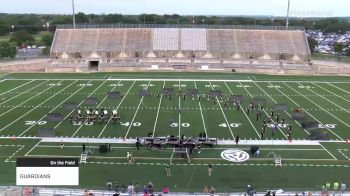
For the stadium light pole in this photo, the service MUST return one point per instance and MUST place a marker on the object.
(73, 14)
(287, 19)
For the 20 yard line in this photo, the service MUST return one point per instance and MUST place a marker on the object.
(105, 126)
(138, 107)
(53, 108)
(200, 108)
(223, 113)
(256, 131)
(160, 102)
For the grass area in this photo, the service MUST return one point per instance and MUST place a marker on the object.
(26, 99)
(320, 56)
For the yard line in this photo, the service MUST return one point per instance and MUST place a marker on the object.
(160, 102)
(138, 107)
(244, 113)
(308, 113)
(338, 88)
(95, 109)
(179, 110)
(7, 160)
(17, 87)
(200, 108)
(32, 148)
(5, 74)
(31, 109)
(331, 92)
(23, 92)
(28, 100)
(80, 102)
(317, 105)
(223, 113)
(329, 100)
(284, 110)
(264, 112)
(328, 152)
(58, 105)
(121, 101)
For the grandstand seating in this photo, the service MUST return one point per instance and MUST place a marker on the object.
(180, 43)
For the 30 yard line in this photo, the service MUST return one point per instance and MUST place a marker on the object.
(17, 87)
(308, 112)
(138, 107)
(317, 105)
(105, 126)
(156, 120)
(244, 113)
(94, 109)
(223, 113)
(200, 108)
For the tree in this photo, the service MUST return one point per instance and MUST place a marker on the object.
(7, 50)
(312, 44)
(347, 52)
(21, 37)
(338, 48)
(47, 39)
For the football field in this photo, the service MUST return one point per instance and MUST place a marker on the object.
(323, 103)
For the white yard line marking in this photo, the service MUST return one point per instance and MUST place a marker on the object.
(20, 117)
(307, 112)
(200, 108)
(264, 112)
(328, 152)
(54, 107)
(156, 120)
(250, 122)
(223, 113)
(179, 110)
(18, 87)
(328, 99)
(284, 110)
(317, 105)
(7, 160)
(338, 88)
(105, 126)
(77, 105)
(341, 152)
(96, 106)
(23, 92)
(5, 74)
(331, 92)
(32, 148)
(133, 119)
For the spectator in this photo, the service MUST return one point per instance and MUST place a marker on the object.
(150, 187)
(109, 185)
(250, 190)
(342, 187)
(145, 189)
(205, 190)
(123, 188)
(268, 193)
(116, 187)
(212, 190)
(137, 188)
(131, 188)
(165, 190)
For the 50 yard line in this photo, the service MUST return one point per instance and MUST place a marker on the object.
(179, 110)
(200, 108)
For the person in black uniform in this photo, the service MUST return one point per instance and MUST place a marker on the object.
(210, 169)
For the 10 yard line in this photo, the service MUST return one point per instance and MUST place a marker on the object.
(200, 108)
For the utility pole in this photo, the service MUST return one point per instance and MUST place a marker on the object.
(287, 20)
(73, 14)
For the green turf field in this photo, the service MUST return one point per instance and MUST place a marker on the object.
(26, 99)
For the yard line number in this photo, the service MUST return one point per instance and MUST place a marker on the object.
(33, 122)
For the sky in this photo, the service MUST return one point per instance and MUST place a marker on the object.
(298, 8)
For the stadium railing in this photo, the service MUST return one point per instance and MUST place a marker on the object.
(204, 26)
